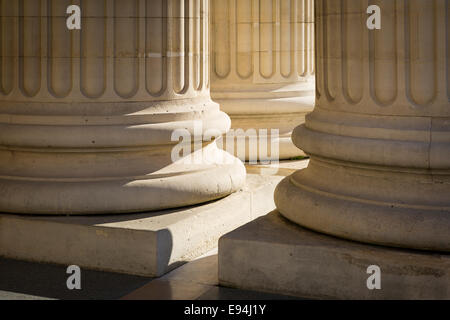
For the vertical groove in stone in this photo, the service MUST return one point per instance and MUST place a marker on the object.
(383, 46)
(421, 52)
(353, 27)
(447, 46)
(126, 43)
(7, 45)
(267, 37)
(244, 38)
(221, 37)
(332, 47)
(319, 56)
(59, 66)
(301, 33)
(205, 41)
(109, 49)
(196, 63)
(176, 45)
(189, 45)
(156, 61)
(30, 47)
(305, 29)
(93, 49)
(204, 44)
(285, 38)
(309, 52)
(59, 49)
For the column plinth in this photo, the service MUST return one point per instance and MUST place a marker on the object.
(262, 69)
(379, 138)
(87, 116)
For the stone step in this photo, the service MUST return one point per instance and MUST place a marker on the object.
(147, 244)
(271, 254)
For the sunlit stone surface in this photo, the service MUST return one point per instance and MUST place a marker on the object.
(378, 179)
(262, 71)
(86, 117)
(379, 138)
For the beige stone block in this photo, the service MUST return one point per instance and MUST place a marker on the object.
(147, 244)
(274, 255)
(379, 169)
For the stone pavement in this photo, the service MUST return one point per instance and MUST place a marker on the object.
(196, 280)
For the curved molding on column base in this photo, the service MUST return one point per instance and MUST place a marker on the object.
(266, 107)
(175, 185)
(287, 148)
(235, 90)
(283, 114)
(254, 153)
(419, 142)
(387, 206)
(265, 98)
(107, 125)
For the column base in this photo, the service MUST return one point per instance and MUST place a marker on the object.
(256, 111)
(274, 255)
(216, 175)
(147, 244)
(388, 206)
(247, 146)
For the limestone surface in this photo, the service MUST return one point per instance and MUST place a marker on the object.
(262, 72)
(379, 137)
(146, 244)
(87, 116)
(272, 254)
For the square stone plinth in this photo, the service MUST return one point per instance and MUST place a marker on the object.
(147, 244)
(274, 255)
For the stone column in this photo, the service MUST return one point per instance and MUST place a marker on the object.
(87, 116)
(379, 138)
(262, 68)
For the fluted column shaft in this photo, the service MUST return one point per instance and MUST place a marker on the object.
(379, 138)
(87, 116)
(263, 64)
